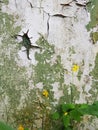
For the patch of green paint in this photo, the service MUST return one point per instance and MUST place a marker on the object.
(3, 2)
(69, 98)
(13, 79)
(6, 1)
(94, 91)
(44, 71)
(7, 26)
(94, 36)
(74, 93)
(90, 65)
(32, 111)
(93, 9)
(66, 96)
(94, 74)
(71, 50)
(79, 74)
(48, 73)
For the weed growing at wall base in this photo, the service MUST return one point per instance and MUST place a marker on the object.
(65, 117)
(69, 116)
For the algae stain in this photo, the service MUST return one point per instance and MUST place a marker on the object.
(6, 1)
(94, 36)
(49, 74)
(94, 74)
(71, 94)
(13, 83)
(13, 79)
(46, 72)
(93, 9)
(43, 69)
(79, 74)
(7, 25)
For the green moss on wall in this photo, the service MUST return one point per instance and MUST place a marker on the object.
(94, 36)
(79, 74)
(44, 71)
(93, 9)
(13, 79)
(6, 1)
(69, 97)
(94, 74)
(48, 73)
(7, 28)
(71, 50)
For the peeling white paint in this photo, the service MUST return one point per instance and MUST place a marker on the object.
(63, 26)
(63, 32)
(57, 93)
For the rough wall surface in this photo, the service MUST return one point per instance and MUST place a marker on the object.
(67, 32)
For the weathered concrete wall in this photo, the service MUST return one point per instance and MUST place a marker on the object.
(72, 35)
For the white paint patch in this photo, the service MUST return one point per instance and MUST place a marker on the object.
(57, 93)
(64, 33)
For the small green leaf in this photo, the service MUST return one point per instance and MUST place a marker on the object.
(26, 129)
(4, 126)
(66, 107)
(56, 116)
(93, 110)
(89, 109)
(68, 128)
(84, 106)
(76, 115)
(66, 120)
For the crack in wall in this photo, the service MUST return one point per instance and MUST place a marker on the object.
(48, 25)
(60, 15)
(30, 3)
(66, 4)
(54, 15)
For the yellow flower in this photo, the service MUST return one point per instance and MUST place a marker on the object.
(75, 68)
(45, 93)
(66, 113)
(20, 127)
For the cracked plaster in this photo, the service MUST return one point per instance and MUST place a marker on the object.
(64, 27)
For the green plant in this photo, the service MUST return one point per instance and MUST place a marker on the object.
(4, 126)
(68, 116)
